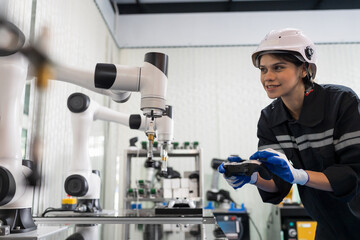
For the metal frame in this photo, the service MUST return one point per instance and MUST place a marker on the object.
(125, 220)
(131, 153)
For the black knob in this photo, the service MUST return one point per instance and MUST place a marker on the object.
(76, 185)
(78, 102)
(7, 186)
(292, 232)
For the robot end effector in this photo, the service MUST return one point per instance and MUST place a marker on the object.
(163, 129)
(151, 81)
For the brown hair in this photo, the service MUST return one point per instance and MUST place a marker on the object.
(288, 57)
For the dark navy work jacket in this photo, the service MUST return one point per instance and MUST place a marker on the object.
(325, 138)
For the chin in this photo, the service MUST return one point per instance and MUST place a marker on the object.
(272, 96)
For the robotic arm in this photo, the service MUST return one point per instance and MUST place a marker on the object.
(117, 81)
(82, 181)
(15, 194)
(112, 80)
(109, 79)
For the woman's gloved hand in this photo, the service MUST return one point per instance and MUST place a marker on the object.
(237, 181)
(278, 164)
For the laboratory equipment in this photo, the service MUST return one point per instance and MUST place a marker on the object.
(235, 225)
(290, 222)
(189, 186)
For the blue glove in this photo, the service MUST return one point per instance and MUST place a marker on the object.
(237, 181)
(278, 164)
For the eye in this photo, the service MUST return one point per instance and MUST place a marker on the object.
(263, 70)
(278, 68)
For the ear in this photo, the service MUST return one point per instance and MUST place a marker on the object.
(303, 71)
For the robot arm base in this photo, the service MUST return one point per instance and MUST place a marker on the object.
(88, 206)
(20, 220)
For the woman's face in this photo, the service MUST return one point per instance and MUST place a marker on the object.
(281, 78)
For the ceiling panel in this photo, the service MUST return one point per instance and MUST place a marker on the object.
(191, 6)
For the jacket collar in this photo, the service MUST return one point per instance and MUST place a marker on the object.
(312, 112)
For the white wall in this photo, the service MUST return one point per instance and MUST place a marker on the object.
(234, 28)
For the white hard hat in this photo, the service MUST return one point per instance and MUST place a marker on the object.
(288, 40)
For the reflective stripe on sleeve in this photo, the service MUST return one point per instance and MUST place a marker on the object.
(309, 141)
(347, 136)
(347, 143)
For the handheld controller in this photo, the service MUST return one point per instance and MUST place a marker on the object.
(247, 168)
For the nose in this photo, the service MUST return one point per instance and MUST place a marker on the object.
(268, 76)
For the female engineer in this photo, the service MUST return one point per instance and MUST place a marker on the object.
(309, 135)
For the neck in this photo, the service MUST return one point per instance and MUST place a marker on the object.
(294, 101)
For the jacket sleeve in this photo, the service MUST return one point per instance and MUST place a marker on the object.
(344, 175)
(268, 140)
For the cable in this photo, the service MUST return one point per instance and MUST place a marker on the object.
(257, 230)
(241, 229)
(51, 209)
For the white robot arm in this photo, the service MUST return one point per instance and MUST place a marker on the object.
(112, 80)
(117, 81)
(15, 194)
(85, 80)
(82, 181)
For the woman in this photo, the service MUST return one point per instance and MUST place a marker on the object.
(317, 127)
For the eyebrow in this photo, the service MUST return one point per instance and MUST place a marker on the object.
(278, 63)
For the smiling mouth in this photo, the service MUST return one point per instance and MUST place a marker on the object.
(269, 87)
